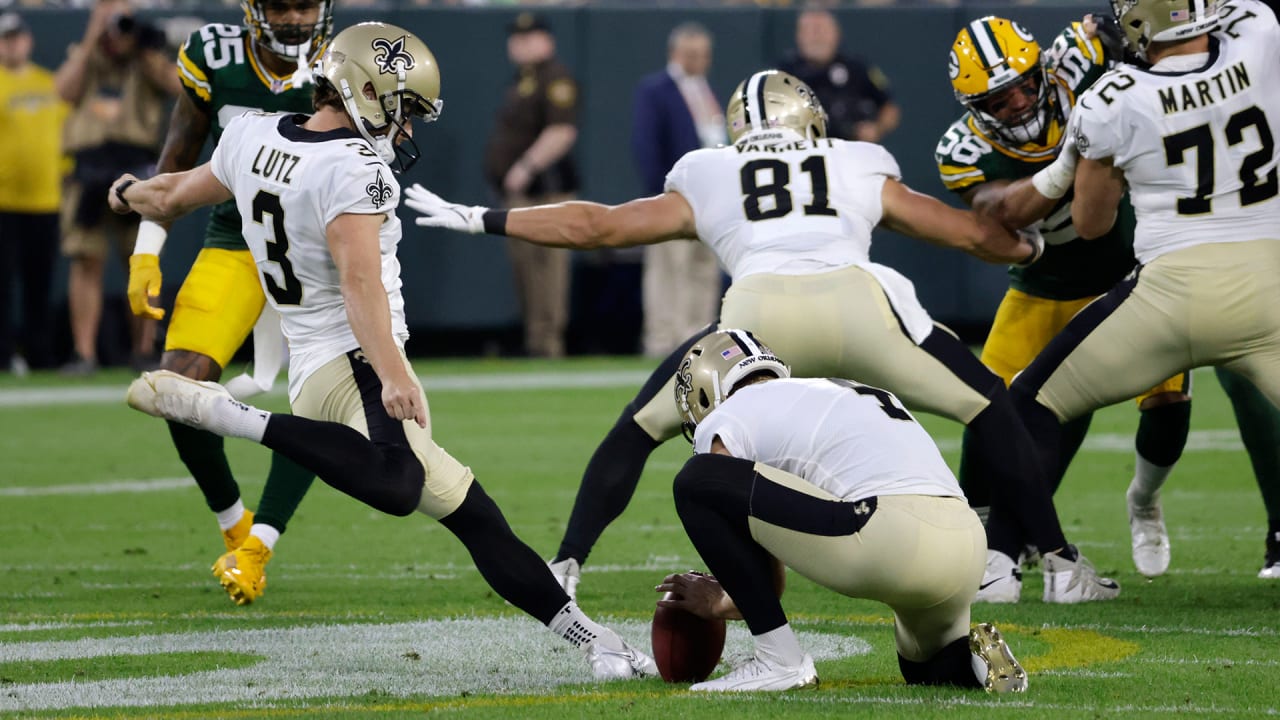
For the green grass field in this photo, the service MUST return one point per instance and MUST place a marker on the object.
(109, 610)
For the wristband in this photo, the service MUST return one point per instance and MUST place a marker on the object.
(120, 191)
(151, 237)
(495, 222)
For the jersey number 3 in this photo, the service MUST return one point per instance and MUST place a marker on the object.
(765, 192)
(265, 203)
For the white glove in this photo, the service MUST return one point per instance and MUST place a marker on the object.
(1032, 235)
(438, 212)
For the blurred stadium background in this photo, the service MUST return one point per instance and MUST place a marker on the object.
(458, 289)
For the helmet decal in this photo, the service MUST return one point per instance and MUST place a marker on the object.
(391, 56)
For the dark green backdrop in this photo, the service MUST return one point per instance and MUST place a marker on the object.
(455, 282)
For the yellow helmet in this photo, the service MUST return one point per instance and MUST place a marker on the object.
(715, 366)
(989, 56)
(295, 42)
(772, 99)
(1148, 21)
(404, 77)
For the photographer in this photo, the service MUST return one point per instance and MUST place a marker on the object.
(117, 80)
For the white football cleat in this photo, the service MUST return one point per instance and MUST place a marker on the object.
(1271, 566)
(142, 396)
(1075, 581)
(612, 658)
(1001, 581)
(568, 573)
(761, 674)
(994, 663)
(1150, 537)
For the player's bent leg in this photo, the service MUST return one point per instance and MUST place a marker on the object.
(614, 470)
(1164, 421)
(713, 499)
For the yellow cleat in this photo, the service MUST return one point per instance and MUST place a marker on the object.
(235, 535)
(242, 572)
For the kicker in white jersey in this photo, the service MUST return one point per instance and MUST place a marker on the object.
(296, 182)
(787, 424)
(1195, 136)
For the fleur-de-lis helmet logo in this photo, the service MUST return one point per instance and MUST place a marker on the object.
(391, 56)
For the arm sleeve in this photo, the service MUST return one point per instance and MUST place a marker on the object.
(194, 74)
(361, 188)
(731, 432)
(878, 160)
(678, 178)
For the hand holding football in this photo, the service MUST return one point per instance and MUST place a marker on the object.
(687, 646)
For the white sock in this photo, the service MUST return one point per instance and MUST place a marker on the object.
(232, 418)
(780, 645)
(267, 534)
(573, 625)
(228, 518)
(1148, 478)
(979, 668)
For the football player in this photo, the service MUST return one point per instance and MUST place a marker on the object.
(789, 213)
(837, 481)
(318, 196)
(227, 70)
(1191, 135)
(1018, 100)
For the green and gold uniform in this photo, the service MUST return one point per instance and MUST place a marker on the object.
(1042, 298)
(221, 298)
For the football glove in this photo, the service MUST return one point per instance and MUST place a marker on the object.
(438, 212)
(1032, 235)
(144, 285)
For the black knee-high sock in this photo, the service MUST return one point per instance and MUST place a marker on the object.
(511, 568)
(952, 665)
(387, 477)
(607, 485)
(202, 452)
(1069, 442)
(713, 499)
(614, 471)
(1259, 423)
(1162, 433)
(1020, 489)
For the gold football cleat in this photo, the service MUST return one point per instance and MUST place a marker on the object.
(242, 572)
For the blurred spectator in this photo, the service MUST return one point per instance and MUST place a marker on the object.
(855, 95)
(31, 116)
(117, 80)
(675, 112)
(527, 162)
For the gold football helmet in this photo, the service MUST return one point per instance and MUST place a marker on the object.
(990, 58)
(1148, 21)
(288, 40)
(715, 366)
(401, 74)
(772, 99)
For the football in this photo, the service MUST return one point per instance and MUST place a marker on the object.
(685, 646)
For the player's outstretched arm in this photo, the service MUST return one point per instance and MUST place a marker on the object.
(576, 225)
(167, 197)
(1014, 204)
(927, 218)
(1099, 187)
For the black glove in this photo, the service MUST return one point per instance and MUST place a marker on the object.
(1113, 40)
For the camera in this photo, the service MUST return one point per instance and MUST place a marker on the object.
(148, 36)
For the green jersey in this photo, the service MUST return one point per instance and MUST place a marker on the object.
(221, 74)
(1070, 268)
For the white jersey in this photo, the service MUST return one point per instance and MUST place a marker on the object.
(776, 203)
(289, 184)
(851, 440)
(1196, 136)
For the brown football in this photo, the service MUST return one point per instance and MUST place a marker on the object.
(685, 646)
